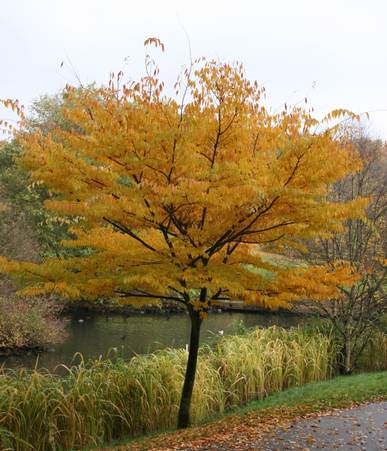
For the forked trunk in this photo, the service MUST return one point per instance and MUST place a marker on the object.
(186, 396)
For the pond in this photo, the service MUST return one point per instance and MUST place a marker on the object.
(97, 335)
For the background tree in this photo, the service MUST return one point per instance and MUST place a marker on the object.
(34, 228)
(177, 199)
(356, 315)
(17, 238)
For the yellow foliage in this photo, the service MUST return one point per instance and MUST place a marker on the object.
(174, 196)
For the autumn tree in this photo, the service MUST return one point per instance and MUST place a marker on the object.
(361, 244)
(177, 198)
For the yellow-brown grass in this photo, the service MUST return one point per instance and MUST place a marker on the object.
(105, 400)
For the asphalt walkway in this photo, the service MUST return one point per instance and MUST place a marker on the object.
(358, 429)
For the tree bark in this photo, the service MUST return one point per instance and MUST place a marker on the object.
(348, 357)
(186, 396)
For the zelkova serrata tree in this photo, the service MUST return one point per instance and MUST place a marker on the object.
(178, 198)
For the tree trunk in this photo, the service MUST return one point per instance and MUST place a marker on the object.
(347, 363)
(185, 402)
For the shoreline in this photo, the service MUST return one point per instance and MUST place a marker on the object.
(22, 351)
(90, 308)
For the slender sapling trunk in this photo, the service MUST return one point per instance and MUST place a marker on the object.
(348, 356)
(186, 396)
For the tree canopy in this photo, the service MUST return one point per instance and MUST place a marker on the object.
(174, 197)
(178, 198)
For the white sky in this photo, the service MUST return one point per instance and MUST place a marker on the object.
(332, 51)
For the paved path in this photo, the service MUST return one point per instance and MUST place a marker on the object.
(361, 428)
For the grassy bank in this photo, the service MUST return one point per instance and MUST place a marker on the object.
(264, 416)
(334, 393)
(105, 401)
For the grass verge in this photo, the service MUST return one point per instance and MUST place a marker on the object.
(259, 417)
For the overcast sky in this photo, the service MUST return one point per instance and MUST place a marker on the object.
(333, 52)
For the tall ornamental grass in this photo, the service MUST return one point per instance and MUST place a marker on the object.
(104, 400)
(265, 361)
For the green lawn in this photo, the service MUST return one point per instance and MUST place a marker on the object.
(336, 392)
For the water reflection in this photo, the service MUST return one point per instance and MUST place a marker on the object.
(94, 336)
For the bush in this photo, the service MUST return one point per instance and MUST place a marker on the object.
(374, 355)
(29, 324)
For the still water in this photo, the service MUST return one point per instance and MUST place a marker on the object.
(97, 335)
